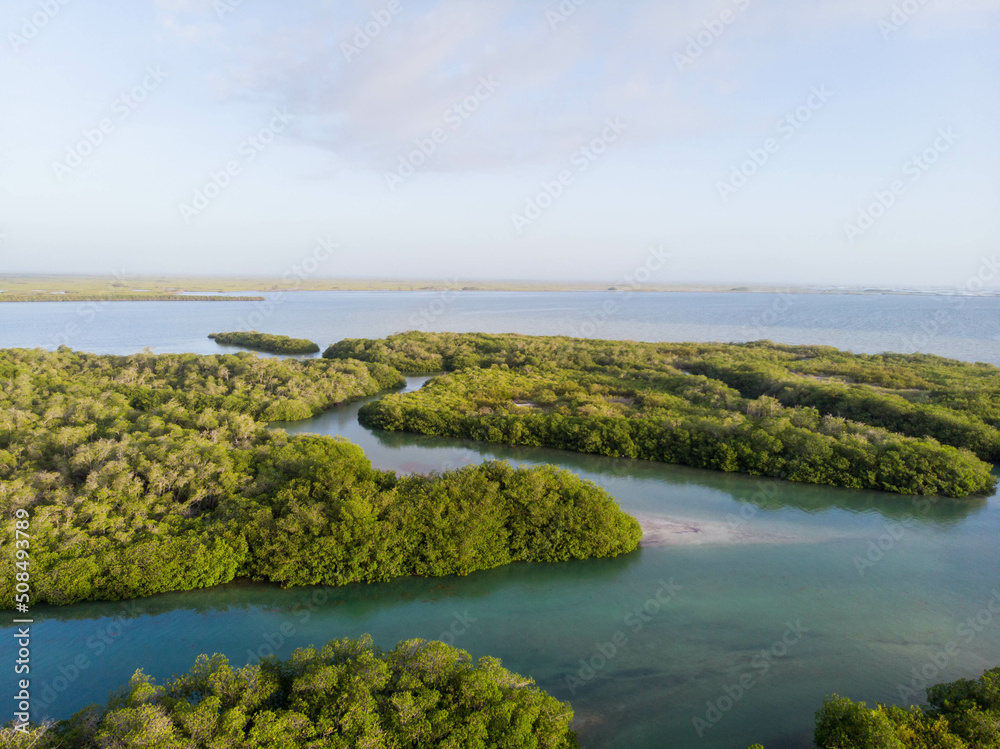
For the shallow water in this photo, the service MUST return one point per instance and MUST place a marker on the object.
(809, 606)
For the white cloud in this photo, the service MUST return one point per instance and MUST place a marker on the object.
(556, 85)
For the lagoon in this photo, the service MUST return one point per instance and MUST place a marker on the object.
(754, 599)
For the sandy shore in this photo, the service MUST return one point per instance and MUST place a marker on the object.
(659, 530)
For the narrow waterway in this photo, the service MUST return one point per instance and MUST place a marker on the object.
(748, 602)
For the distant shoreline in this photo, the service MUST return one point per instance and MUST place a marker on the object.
(56, 296)
(58, 288)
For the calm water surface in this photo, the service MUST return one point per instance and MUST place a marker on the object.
(797, 613)
(960, 327)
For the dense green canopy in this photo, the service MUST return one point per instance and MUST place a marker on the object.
(274, 344)
(345, 695)
(144, 474)
(908, 424)
(963, 714)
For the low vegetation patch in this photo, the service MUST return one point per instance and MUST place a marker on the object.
(273, 344)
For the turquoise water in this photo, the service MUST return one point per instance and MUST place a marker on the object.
(783, 587)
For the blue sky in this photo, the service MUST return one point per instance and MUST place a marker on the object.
(852, 142)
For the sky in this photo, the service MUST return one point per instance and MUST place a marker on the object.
(832, 142)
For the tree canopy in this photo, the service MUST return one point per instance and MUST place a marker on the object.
(346, 694)
(144, 474)
(908, 424)
(274, 344)
(963, 714)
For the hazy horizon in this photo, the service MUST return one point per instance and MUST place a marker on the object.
(734, 143)
(296, 283)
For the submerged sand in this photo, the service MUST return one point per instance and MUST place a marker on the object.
(659, 530)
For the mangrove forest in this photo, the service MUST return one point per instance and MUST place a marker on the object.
(150, 473)
(963, 714)
(911, 424)
(272, 344)
(346, 694)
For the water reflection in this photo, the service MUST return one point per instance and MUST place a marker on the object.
(357, 601)
(417, 453)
